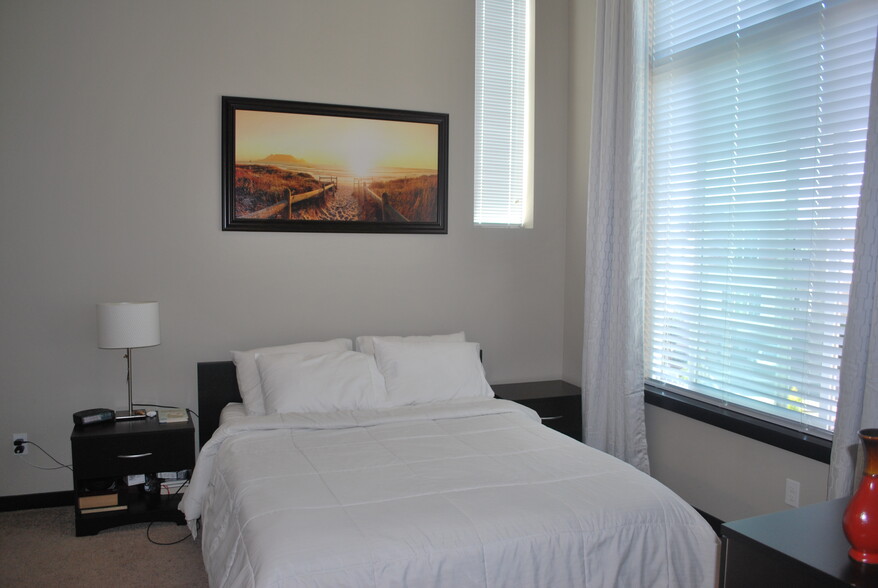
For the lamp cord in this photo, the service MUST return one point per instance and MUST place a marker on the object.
(149, 526)
(58, 467)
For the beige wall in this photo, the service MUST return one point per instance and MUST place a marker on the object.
(582, 27)
(725, 474)
(110, 155)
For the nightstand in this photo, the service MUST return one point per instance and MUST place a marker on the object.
(558, 403)
(103, 455)
(804, 547)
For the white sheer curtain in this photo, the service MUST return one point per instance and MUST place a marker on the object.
(858, 386)
(612, 365)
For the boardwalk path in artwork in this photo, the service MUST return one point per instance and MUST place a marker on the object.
(341, 205)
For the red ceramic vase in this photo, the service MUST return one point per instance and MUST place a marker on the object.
(860, 520)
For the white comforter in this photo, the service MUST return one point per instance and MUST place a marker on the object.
(471, 493)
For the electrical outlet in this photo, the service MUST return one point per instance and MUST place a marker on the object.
(23, 446)
(792, 494)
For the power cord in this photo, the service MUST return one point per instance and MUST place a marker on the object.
(149, 526)
(19, 449)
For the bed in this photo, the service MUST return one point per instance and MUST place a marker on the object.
(464, 490)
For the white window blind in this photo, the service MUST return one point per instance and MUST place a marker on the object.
(503, 113)
(758, 115)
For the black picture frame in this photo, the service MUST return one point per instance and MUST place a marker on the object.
(354, 170)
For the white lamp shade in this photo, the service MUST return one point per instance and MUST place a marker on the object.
(123, 325)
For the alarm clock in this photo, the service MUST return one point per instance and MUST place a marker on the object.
(93, 416)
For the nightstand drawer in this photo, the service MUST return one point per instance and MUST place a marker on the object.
(558, 403)
(122, 455)
(562, 413)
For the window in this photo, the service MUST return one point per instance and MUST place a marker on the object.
(504, 113)
(758, 115)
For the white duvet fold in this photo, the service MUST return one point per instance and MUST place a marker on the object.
(192, 500)
(469, 493)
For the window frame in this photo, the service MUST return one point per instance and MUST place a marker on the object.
(480, 130)
(739, 421)
(733, 421)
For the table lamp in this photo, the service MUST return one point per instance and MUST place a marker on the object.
(125, 325)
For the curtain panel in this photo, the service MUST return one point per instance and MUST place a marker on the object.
(612, 378)
(857, 406)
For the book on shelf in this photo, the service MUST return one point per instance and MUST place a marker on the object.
(97, 500)
(172, 415)
(178, 475)
(87, 511)
(172, 487)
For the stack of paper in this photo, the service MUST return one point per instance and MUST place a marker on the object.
(172, 415)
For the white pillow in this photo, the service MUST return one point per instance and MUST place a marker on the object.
(302, 382)
(430, 371)
(248, 373)
(365, 344)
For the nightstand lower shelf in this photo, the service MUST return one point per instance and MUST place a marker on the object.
(140, 510)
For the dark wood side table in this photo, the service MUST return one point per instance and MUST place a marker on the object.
(558, 403)
(104, 454)
(804, 547)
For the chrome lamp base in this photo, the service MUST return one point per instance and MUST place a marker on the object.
(130, 415)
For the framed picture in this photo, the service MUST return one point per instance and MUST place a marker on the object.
(299, 166)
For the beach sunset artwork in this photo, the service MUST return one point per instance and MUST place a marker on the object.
(292, 166)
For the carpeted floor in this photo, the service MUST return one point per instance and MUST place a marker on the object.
(39, 548)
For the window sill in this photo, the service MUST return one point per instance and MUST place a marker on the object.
(753, 428)
(501, 226)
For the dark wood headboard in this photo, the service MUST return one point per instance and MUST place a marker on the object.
(217, 386)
